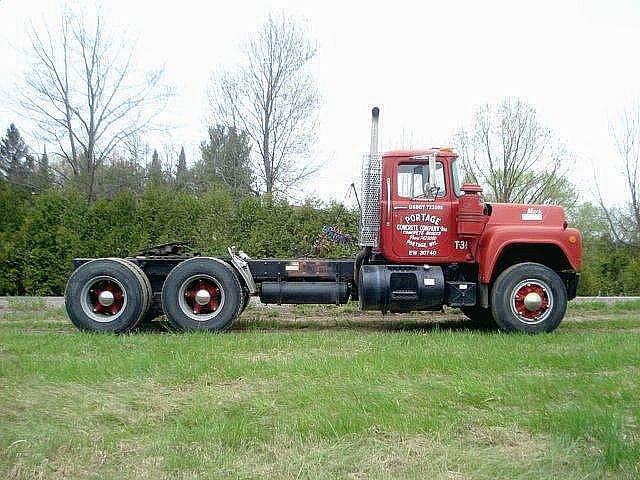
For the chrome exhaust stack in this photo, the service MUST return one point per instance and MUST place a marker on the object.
(375, 114)
(371, 188)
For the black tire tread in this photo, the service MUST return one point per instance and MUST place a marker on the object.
(144, 280)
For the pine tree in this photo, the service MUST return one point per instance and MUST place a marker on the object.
(225, 160)
(155, 175)
(43, 171)
(16, 163)
(181, 171)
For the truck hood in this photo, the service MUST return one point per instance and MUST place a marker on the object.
(524, 214)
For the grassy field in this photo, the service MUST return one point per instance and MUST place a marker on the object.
(322, 393)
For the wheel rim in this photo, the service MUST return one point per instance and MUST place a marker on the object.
(103, 299)
(201, 297)
(532, 301)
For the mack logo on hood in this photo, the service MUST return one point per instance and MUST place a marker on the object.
(532, 214)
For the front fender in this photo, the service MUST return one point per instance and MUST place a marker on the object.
(495, 239)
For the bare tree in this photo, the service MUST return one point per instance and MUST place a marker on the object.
(136, 149)
(86, 96)
(272, 97)
(515, 157)
(624, 221)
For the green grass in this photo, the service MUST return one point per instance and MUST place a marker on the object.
(619, 306)
(322, 393)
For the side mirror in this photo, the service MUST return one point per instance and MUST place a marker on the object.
(432, 173)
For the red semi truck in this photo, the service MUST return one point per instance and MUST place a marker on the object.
(427, 239)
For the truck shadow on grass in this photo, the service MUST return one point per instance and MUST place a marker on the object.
(361, 322)
(587, 317)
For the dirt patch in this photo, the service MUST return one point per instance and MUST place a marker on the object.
(511, 442)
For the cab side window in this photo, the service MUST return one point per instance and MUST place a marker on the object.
(413, 180)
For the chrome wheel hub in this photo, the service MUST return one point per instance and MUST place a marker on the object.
(532, 301)
(103, 298)
(106, 298)
(203, 297)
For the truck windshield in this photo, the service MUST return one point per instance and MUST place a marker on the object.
(455, 176)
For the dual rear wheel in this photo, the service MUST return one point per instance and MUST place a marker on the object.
(108, 295)
(202, 294)
(114, 295)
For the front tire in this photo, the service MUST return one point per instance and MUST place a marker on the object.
(528, 297)
(202, 294)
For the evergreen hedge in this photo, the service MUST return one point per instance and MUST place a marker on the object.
(41, 234)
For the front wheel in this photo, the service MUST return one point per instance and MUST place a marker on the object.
(528, 297)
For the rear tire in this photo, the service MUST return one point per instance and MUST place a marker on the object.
(202, 294)
(107, 295)
(528, 297)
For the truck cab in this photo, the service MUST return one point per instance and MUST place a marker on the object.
(418, 225)
(429, 218)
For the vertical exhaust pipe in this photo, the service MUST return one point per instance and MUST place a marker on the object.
(371, 188)
(375, 113)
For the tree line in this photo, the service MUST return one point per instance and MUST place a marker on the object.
(224, 161)
(92, 106)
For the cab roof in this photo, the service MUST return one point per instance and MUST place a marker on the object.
(439, 151)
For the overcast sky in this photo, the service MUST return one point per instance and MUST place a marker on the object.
(426, 64)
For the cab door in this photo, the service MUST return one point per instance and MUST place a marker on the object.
(422, 221)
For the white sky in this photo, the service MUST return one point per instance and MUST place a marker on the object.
(427, 64)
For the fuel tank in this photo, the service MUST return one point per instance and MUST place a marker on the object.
(401, 288)
(304, 292)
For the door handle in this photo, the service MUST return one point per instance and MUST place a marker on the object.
(388, 201)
